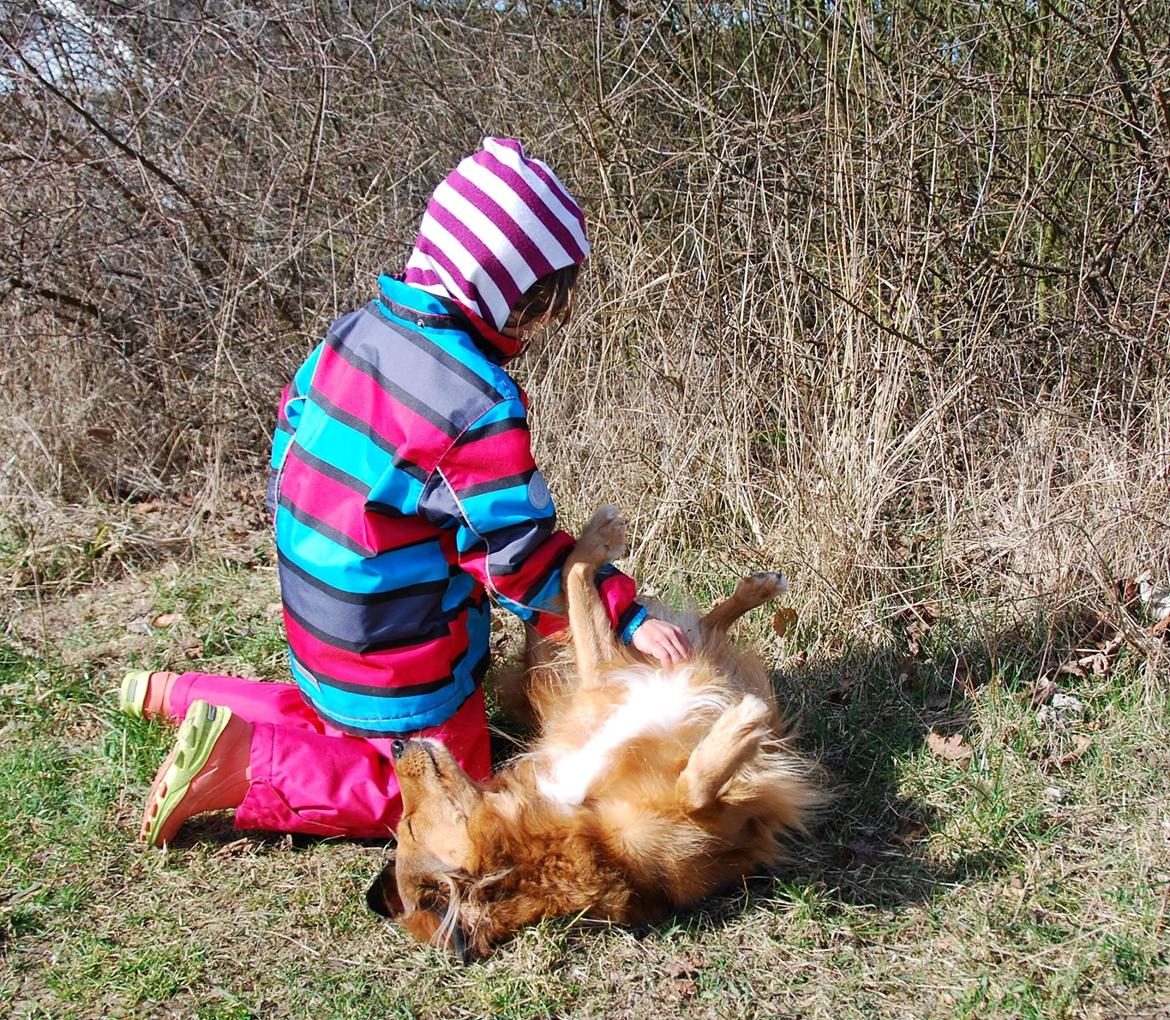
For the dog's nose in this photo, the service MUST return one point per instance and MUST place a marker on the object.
(396, 749)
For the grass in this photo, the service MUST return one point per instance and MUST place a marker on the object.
(1031, 882)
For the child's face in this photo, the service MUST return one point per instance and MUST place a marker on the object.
(522, 331)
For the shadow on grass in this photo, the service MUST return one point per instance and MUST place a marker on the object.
(865, 717)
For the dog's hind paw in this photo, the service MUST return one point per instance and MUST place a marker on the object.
(761, 586)
(604, 537)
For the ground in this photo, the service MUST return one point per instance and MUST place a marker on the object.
(993, 849)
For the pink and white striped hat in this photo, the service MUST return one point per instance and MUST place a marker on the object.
(496, 224)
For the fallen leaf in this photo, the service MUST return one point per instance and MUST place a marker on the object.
(1081, 744)
(784, 620)
(909, 830)
(864, 854)
(1042, 693)
(840, 695)
(1066, 704)
(1156, 600)
(953, 748)
(917, 621)
(164, 620)
(686, 966)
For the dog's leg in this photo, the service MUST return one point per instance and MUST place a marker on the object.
(604, 538)
(729, 745)
(753, 590)
(526, 693)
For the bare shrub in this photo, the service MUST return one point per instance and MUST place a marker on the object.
(867, 277)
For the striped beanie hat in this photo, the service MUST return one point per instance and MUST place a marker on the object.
(496, 224)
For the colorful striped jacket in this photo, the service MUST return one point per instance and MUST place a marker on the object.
(403, 492)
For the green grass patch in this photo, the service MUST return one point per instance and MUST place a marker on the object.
(1027, 881)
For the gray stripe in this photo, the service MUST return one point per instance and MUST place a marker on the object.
(374, 346)
(437, 503)
(408, 616)
(509, 548)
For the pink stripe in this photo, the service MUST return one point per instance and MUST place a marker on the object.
(430, 247)
(508, 453)
(395, 667)
(554, 185)
(479, 251)
(358, 394)
(617, 592)
(505, 222)
(535, 203)
(423, 278)
(345, 510)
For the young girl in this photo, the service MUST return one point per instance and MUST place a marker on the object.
(404, 494)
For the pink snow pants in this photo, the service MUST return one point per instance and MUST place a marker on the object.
(307, 776)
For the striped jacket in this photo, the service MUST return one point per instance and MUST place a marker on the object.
(403, 492)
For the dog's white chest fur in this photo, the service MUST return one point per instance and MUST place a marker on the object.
(655, 700)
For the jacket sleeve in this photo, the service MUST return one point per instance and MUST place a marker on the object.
(489, 490)
(288, 416)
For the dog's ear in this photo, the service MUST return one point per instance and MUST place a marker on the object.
(426, 924)
(382, 897)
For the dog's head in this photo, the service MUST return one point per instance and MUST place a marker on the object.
(446, 883)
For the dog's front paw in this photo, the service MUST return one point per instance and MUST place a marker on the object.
(604, 537)
(761, 586)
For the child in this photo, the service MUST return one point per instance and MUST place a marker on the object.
(404, 493)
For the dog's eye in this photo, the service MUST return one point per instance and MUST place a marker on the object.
(432, 899)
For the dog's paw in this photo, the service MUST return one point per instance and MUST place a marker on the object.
(604, 537)
(762, 586)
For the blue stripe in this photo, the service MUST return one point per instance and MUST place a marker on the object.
(548, 598)
(339, 568)
(350, 451)
(490, 511)
(350, 711)
(396, 490)
(515, 608)
(627, 634)
(304, 375)
(280, 441)
(367, 431)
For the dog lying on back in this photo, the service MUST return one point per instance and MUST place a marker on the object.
(646, 790)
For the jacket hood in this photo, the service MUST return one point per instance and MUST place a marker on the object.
(496, 224)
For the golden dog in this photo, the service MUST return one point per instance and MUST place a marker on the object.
(647, 789)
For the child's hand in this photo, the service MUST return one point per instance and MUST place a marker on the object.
(664, 641)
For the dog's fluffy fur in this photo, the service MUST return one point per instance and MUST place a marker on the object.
(647, 788)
